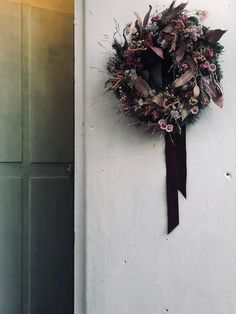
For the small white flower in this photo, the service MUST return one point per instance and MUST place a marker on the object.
(152, 92)
(140, 102)
(175, 114)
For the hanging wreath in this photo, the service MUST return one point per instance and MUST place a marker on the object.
(165, 70)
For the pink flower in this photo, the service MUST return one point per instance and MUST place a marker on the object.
(169, 128)
(184, 18)
(202, 15)
(180, 24)
(210, 52)
(163, 126)
(195, 110)
(212, 67)
(162, 123)
(148, 41)
(205, 65)
(185, 66)
(155, 18)
(155, 115)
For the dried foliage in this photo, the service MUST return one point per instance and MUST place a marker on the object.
(165, 69)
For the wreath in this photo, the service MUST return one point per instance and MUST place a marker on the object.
(165, 69)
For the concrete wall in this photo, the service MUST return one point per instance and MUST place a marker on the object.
(125, 262)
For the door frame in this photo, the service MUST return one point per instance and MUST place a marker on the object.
(80, 164)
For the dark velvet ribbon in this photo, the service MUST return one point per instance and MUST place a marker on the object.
(175, 150)
(176, 174)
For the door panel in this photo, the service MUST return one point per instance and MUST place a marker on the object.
(51, 208)
(36, 140)
(10, 249)
(51, 85)
(10, 82)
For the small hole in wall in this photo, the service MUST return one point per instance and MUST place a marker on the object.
(228, 175)
(124, 261)
(91, 12)
(166, 310)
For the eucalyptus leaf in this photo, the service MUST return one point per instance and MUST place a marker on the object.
(139, 22)
(181, 50)
(184, 114)
(141, 86)
(187, 76)
(214, 35)
(147, 16)
(196, 91)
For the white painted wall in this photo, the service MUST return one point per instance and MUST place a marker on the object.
(125, 262)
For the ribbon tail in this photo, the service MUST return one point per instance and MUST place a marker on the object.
(182, 163)
(176, 174)
(172, 182)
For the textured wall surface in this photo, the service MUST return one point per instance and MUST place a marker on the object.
(125, 262)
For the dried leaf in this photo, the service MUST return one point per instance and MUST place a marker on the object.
(208, 89)
(173, 44)
(214, 35)
(179, 9)
(127, 29)
(147, 16)
(196, 91)
(181, 50)
(217, 96)
(158, 100)
(141, 86)
(139, 22)
(219, 101)
(176, 102)
(172, 5)
(173, 13)
(158, 52)
(137, 49)
(184, 114)
(187, 76)
(214, 92)
(117, 39)
(219, 86)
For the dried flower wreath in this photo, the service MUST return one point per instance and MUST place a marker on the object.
(165, 69)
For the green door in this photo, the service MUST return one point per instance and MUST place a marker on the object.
(36, 158)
